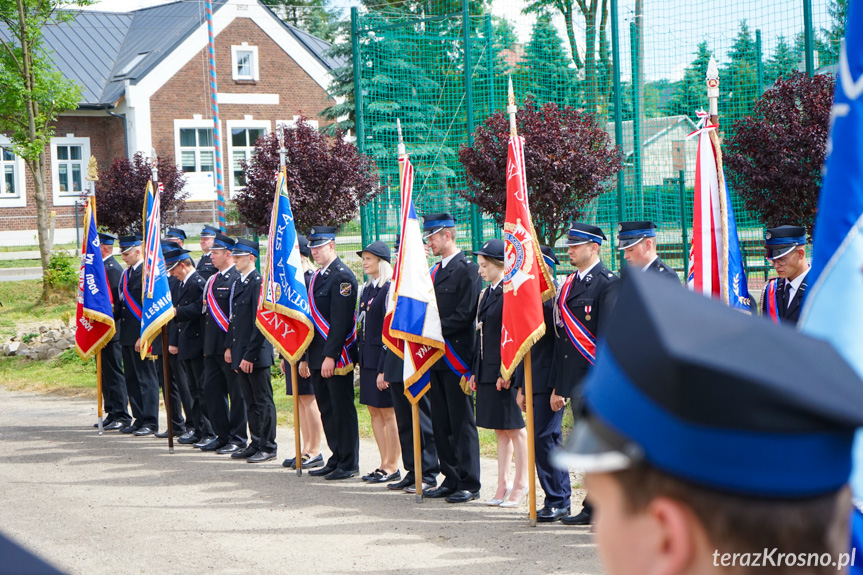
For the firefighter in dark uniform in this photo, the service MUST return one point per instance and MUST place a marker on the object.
(457, 285)
(333, 353)
(638, 242)
(546, 422)
(188, 303)
(220, 381)
(581, 310)
(113, 380)
(142, 384)
(251, 356)
(783, 296)
(205, 265)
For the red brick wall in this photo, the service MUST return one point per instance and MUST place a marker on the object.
(107, 142)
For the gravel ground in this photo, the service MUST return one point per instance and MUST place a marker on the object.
(122, 505)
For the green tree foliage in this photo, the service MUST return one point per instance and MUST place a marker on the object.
(738, 78)
(503, 33)
(690, 94)
(546, 73)
(782, 63)
(34, 94)
(828, 46)
(318, 17)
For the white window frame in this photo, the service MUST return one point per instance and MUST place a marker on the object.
(235, 58)
(229, 164)
(292, 123)
(20, 199)
(195, 184)
(68, 198)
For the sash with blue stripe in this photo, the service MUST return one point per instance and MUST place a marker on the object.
(344, 365)
(131, 304)
(579, 335)
(453, 361)
(771, 303)
(217, 313)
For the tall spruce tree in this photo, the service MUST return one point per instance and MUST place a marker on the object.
(689, 93)
(317, 17)
(546, 74)
(782, 63)
(738, 79)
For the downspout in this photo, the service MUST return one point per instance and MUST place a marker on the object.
(125, 125)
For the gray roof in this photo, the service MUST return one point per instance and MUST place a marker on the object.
(100, 50)
(652, 130)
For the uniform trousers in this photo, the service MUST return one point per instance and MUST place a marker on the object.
(455, 433)
(220, 383)
(113, 383)
(404, 421)
(194, 371)
(261, 410)
(547, 437)
(335, 397)
(181, 400)
(142, 386)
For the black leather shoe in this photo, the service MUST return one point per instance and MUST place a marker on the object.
(230, 448)
(261, 456)
(164, 434)
(412, 488)
(438, 492)
(213, 445)
(244, 454)
(551, 514)
(386, 478)
(462, 496)
(188, 439)
(145, 431)
(582, 518)
(321, 471)
(204, 441)
(114, 425)
(399, 485)
(376, 474)
(337, 474)
(130, 428)
(105, 422)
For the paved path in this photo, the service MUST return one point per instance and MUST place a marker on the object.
(118, 504)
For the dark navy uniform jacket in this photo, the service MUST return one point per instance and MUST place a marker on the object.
(372, 308)
(335, 295)
(486, 360)
(247, 341)
(788, 313)
(189, 320)
(130, 326)
(659, 267)
(595, 297)
(541, 356)
(113, 270)
(216, 340)
(457, 288)
(205, 267)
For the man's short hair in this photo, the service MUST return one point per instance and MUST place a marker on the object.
(740, 524)
(453, 232)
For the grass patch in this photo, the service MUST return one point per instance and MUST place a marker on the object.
(22, 304)
(35, 247)
(66, 375)
(6, 264)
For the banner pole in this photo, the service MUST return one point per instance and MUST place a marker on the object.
(167, 371)
(99, 388)
(418, 452)
(531, 448)
(295, 389)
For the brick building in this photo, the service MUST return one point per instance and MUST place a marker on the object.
(145, 85)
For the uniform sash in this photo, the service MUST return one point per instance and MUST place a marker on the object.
(771, 303)
(455, 363)
(344, 364)
(213, 305)
(580, 336)
(127, 297)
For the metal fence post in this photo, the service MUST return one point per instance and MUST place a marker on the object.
(365, 232)
(618, 117)
(808, 38)
(759, 65)
(636, 121)
(475, 221)
(681, 188)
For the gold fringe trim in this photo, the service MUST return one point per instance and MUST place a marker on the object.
(344, 370)
(292, 358)
(394, 349)
(150, 333)
(86, 354)
(507, 372)
(415, 399)
(418, 374)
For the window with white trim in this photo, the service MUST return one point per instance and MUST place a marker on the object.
(244, 62)
(242, 147)
(197, 153)
(69, 157)
(9, 187)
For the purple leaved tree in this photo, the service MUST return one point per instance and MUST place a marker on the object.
(568, 160)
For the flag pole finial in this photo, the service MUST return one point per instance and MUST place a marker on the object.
(283, 152)
(402, 150)
(511, 108)
(154, 165)
(712, 79)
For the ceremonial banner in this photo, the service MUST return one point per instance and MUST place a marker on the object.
(412, 325)
(94, 317)
(526, 281)
(284, 315)
(714, 241)
(833, 306)
(157, 307)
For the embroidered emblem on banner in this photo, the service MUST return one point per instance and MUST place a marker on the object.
(518, 257)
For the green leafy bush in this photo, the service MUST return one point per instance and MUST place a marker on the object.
(62, 273)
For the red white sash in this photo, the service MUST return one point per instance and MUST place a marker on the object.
(580, 336)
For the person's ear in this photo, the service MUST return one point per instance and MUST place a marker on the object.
(675, 535)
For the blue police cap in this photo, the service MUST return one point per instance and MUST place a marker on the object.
(631, 233)
(223, 242)
(128, 242)
(783, 240)
(549, 257)
(209, 232)
(303, 243)
(322, 235)
(175, 256)
(491, 249)
(106, 239)
(583, 233)
(175, 233)
(716, 398)
(433, 223)
(244, 247)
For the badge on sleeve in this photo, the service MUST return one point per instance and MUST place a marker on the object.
(345, 289)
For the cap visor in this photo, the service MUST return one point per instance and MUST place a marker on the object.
(315, 244)
(429, 233)
(578, 242)
(624, 244)
(772, 255)
(592, 451)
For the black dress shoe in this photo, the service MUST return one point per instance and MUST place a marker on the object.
(399, 485)
(132, 428)
(438, 492)
(145, 431)
(337, 474)
(462, 496)
(321, 471)
(204, 441)
(582, 518)
(387, 477)
(244, 454)
(164, 434)
(188, 439)
(262, 456)
(114, 425)
(230, 448)
(551, 514)
(213, 445)
(105, 422)
(376, 474)
(412, 488)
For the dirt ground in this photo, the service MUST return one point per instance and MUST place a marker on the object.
(123, 505)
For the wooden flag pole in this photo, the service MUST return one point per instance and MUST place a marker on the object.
(99, 388)
(713, 99)
(295, 389)
(166, 370)
(511, 109)
(418, 452)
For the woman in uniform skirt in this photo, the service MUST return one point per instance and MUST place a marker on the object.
(372, 304)
(311, 428)
(496, 406)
